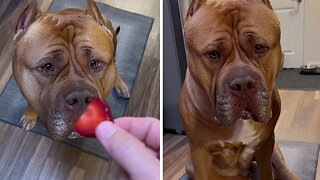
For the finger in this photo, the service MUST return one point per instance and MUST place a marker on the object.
(145, 129)
(128, 151)
(154, 153)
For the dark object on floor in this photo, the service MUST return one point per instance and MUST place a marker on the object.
(310, 69)
(292, 79)
(132, 40)
(300, 157)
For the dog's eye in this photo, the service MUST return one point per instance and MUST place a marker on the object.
(47, 68)
(258, 48)
(214, 54)
(95, 64)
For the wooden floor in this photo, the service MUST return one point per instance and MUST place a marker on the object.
(299, 121)
(31, 156)
(300, 116)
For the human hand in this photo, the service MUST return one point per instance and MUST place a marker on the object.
(134, 143)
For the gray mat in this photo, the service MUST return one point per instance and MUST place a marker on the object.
(132, 40)
(300, 157)
(292, 79)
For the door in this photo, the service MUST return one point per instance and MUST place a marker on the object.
(291, 15)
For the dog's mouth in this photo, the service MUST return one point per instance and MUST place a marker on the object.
(74, 135)
(60, 124)
(245, 114)
(61, 129)
(60, 117)
(229, 110)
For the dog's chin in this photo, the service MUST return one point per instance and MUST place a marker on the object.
(60, 137)
(245, 115)
(61, 126)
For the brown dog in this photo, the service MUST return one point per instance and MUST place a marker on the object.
(62, 60)
(229, 103)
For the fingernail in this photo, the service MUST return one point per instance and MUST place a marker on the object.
(105, 130)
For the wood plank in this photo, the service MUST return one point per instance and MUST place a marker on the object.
(153, 107)
(179, 174)
(23, 154)
(46, 171)
(317, 95)
(300, 114)
(38, 159)
(8, 157)
(76, 173)
(176, 156)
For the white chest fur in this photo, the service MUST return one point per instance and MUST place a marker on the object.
(232, 157)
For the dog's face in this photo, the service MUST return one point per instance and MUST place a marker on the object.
(236, 47)
(62, 61)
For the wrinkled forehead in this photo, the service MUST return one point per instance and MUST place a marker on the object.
(231, 16)
(54, 28)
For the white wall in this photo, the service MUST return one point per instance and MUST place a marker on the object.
(312, 32)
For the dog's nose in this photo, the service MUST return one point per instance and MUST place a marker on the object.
(79, 100)
(243, 86)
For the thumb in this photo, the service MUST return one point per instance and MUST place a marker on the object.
(130, 153)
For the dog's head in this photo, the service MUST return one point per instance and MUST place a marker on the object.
(234, 55)
(63, 60)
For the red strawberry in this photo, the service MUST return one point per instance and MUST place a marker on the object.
(96, 112)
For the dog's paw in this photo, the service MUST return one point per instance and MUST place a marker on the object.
(28, 121)
(121, 89)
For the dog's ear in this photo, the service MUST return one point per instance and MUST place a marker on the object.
(267, 3)
(94, 12)
(193, 7)
(27, 17)
(117, 30)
